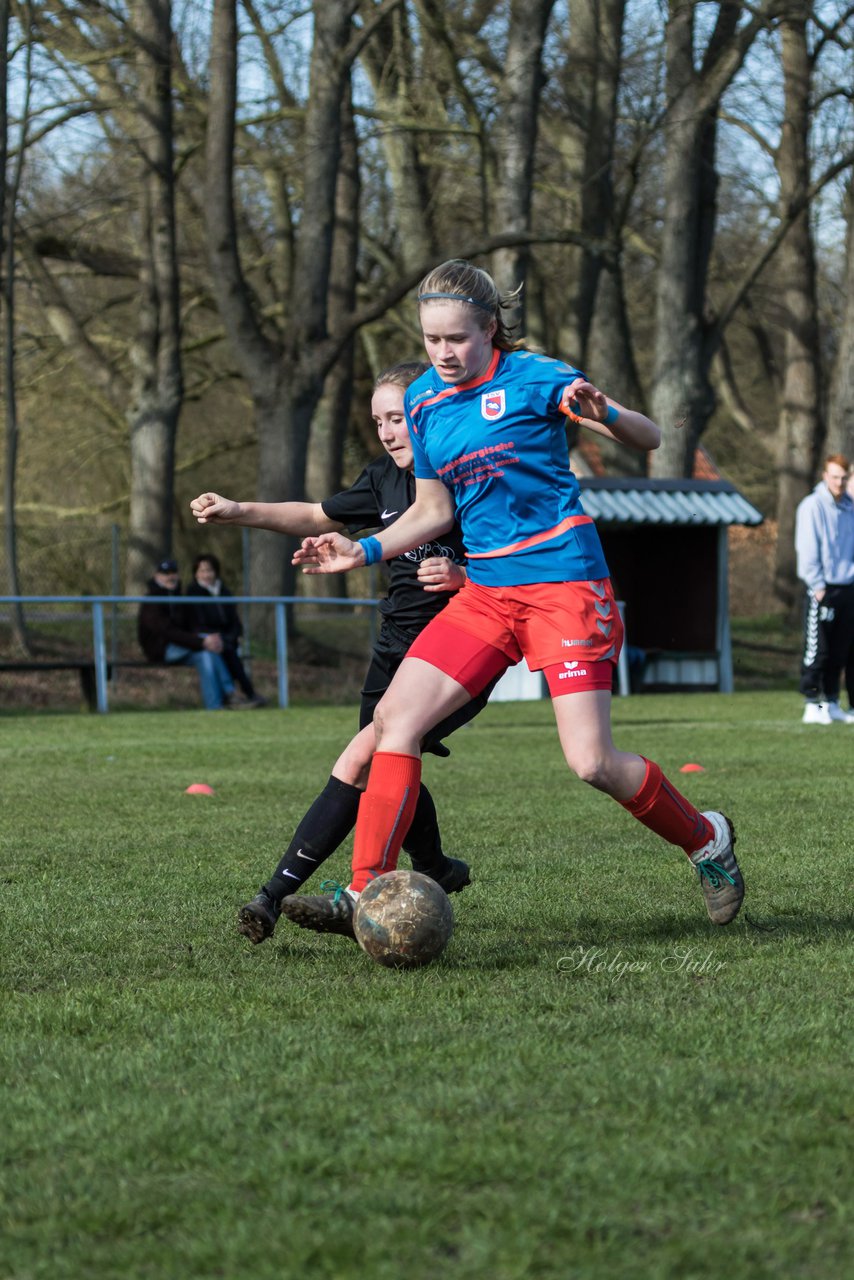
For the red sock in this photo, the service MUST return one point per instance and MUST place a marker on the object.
(659, 806)
(385, 812)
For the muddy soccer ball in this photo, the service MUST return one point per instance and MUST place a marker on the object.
(403, 920)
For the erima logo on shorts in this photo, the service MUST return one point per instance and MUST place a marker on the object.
(572, 669)
(493, 405)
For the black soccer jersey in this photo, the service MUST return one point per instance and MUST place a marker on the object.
(379, 497)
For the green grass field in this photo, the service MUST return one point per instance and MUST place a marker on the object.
(593, 1081)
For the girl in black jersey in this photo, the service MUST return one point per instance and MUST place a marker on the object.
(420, 584)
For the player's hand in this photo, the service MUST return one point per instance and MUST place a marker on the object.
(441, 574)
(211, 508)
(212, 642)
(329, 553)
(582, 400)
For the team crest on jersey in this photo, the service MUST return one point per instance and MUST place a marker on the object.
(492, 405)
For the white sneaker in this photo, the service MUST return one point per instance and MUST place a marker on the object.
(817, 713)
(836, 713)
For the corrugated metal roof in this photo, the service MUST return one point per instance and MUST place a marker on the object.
(634, 501)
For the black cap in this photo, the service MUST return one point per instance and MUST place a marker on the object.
(167, 566)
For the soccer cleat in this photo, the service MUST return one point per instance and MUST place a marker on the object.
(456, 876)
(835, 712)
(817, 713)
(324, 912)
(257, 920)
(720, 878)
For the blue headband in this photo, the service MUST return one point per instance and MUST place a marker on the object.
(457, 297)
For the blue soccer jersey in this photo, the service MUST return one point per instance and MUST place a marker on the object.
(498, 442)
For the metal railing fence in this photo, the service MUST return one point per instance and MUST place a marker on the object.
(102, 660)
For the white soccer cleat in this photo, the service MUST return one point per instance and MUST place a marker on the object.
(836, 713)
(720, 877)
(817, 713)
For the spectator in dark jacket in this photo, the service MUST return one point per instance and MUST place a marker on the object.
(220, 617)
(168, 633)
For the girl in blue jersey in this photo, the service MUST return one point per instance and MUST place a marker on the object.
(487, 423)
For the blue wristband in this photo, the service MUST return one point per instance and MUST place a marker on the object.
(372, 548)
(611, 415)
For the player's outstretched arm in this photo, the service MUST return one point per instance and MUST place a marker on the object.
(297, 518)
(590, 407)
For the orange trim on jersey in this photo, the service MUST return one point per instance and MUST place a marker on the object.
(462, 386)
(569, 523)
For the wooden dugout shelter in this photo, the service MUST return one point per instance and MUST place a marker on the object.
(666, 545)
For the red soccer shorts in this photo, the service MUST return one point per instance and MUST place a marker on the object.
(571, 630)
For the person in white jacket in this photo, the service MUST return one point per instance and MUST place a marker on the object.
(824, 542)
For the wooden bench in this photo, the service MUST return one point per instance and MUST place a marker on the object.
(86, 669)
(85, 666)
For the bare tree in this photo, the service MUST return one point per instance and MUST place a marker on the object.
(131, 95)
(840, 417)
(7, 257)
(584, 135)
(284, 369)
(801, 420)
(329, 426)
(317, 225)
(684, 338)
(157, 381)
(594, 325)
(514, 139)
(4, 122)
(404, 113)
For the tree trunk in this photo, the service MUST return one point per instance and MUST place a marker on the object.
(389, 61)
(594, 61)
(4, 120)
(515, 136)
(682, 398)
(611, 365)
(157, 386)
(840, 418)
(686, 337)
(329, 425)
(139, 113)
(285, 378)
(7, 267)
(800, 407)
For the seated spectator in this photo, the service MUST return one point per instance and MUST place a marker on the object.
(167, 633)
(221, 618)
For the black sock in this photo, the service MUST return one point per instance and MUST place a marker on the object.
(423, 842)
(329, 821)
